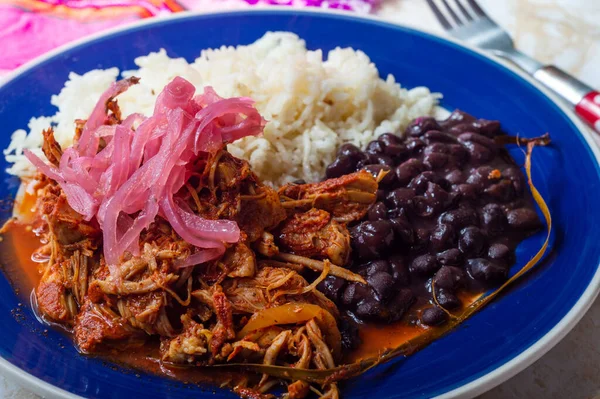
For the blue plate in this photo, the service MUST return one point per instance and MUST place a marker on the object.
(493, 345)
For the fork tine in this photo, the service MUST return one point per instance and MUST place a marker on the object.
(476, 8)
(464, 10)
(438, 14)
(452, 13)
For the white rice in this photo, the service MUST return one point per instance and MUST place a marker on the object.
(312, 105)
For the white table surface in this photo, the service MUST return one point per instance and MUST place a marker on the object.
(565, 33)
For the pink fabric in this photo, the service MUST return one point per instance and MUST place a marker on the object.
(29, 28)
(26, 35)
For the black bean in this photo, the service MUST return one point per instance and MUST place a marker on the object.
(424, 207)
(455, 199)
(481, 176)
(436, 148)
(488, 143)
(377, 211)
(424, 265)
(383, 159)
(396, 151)
(489, 128)
(435, 160)
(349, 332)
(421, 125)
(447, 299)
(342, 165)
(407, 170)
(456, 117)
(372, 239)
(401, 198)
(368, 159)
(389, 138)
(375, 147)
(368, 308)
(399, 304)
(414, 145)
(517, 178)
(500, 252)
(433, 316)
(383, 284)
(441, 168)
(402, 214)
(486, 271)
(478, 153)
(405, 236)
(435, 136)
(437, 197)
(463, 128)
(377, 266)
(399, 270)
(468, 192)
(356, 292)
(421, 239)
(299, 182)
(332, 287)
(523, 219)
(360, 268)
(420, 182)
(472, 241)
(459, 218)
(350, 150)
(452, 163)
(450, 257)
(393, 146)
(503, 191)
(449, 277)
(364, 159)
(459, 152)
(442, 237)
(390, 177)
(443, 183)
(455, 177)
(493, 218)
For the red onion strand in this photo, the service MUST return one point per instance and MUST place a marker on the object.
(146, 162)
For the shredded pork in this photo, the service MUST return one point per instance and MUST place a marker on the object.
(198, 311)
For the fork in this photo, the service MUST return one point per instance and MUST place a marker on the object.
(465, 20)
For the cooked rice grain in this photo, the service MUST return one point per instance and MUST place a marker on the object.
(312, 105)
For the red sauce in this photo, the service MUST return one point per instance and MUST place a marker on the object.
(376, 338)
(18, 249)
(146, 358)
(20, 243)
(25, 206)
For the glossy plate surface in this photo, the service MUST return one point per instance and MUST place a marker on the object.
(493, 345)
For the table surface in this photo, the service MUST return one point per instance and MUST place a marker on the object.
(560, 32)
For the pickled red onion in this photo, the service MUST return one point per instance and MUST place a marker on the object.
(139, 172)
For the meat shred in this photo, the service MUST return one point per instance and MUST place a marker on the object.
(197, 310)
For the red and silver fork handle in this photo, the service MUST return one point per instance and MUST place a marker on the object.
(584, 99)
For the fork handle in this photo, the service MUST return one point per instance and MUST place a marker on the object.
(589, 109)
(584, 99)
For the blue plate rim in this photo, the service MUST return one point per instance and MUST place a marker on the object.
(476, 387)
